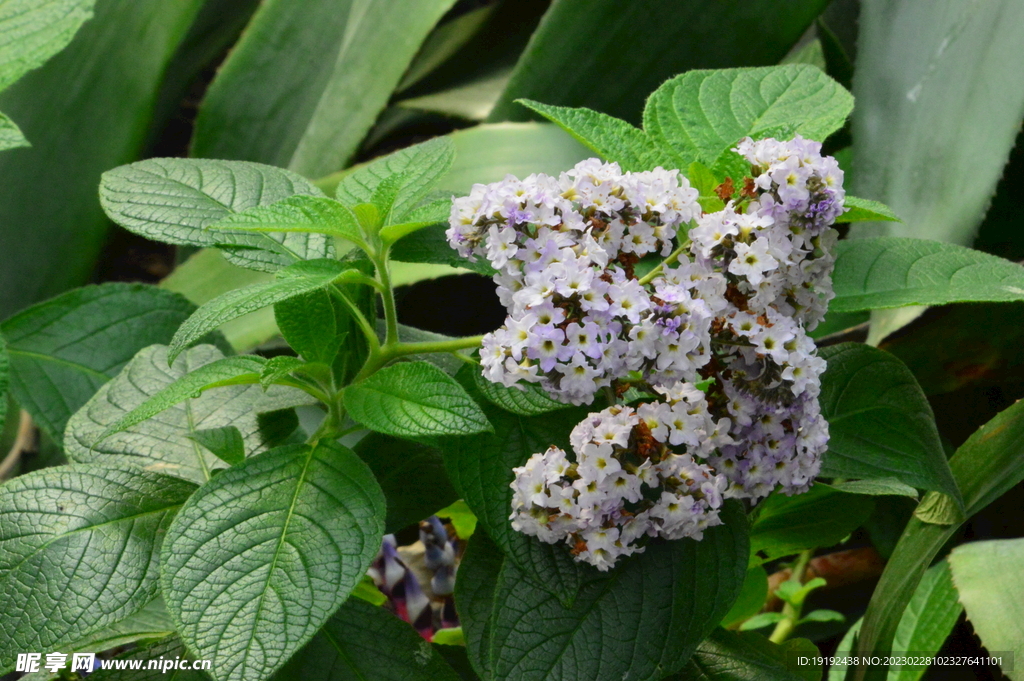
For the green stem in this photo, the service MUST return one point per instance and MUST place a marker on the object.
(357, 314)
(673, 257)
(390, 351)
(387, 293)
(791, 613)
(330, 427)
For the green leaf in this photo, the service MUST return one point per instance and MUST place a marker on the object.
(587, 52)
(762, 620)
(281, 367)
(880, 423)
(701, 115)
(296, 214)
(114, 427)
(151, 622)
(613, 628)
(926, 623)
(53, 229)
(32, 32)
(170, 648)
(939, 104)
(262, 555)
(225, 443)
(5, 379)
(480, 469)
(11, 136)
(895, 272)
(79, 551)
(752, 597)
(177, 200)
(530, 401)
(363, 642)
(731, 656)
(990, 585)
(295, 280)
(866, 210)
(430, 245)
(351, 57)
(444, 42)
(411, 475)
(421, 164)
(414, 399)
(817, 518)
(475, 587)
(874, 487)
(368, 591)
(611, 138)
(64, 349)
(985, 467)
(310, 325)
(462, 518)
(823, 616)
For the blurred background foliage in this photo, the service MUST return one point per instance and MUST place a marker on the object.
(320, 86)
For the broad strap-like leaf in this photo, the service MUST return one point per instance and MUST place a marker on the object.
(895, 272)
(175, 200)
(363, 641)
(612, 138)
(880, 423)
(990, 584)
(297, 214)
(261, 556)
(11, 136)
(62, 350)
(928, 620)
(866, 210)
(148, 415)
(294, 280)
(642, 620)
(394, 463)
(79, 549)
(32, 31)
(701, 115)
(414, 399)
(819, 518)
(422, 165)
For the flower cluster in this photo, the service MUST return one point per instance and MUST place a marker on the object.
(734, 314)
(565, 250)
(625, 482)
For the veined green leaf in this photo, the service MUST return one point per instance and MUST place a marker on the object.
(64, 349)
(151, 622)
(530, 401)
(613, 139)
(225, 443)
(747, 656)
(895, 272)
(430, 245)
(985, 467)
(926, 623)
(296, 214)
(394, 462)
(31, 32)
(11, 136)
(115, 427)
(421, 164)
(693, 584)
(167, 648)
(305, 84)
(310, 325)
(753, 595)
(79, 551)
(295, 280)
(261, 556)
(701, 115)
(990, 585)
(866, 210)
(176, 200)
(414, 399)
(874, 487)
(479, 572)
(586, 52)
(937, 93)
(362, 641)
(820, 517)
(880, 422)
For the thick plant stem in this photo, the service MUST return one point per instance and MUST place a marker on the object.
(387, 294)
(791, 614)
(388, 352)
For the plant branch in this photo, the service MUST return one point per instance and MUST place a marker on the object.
(673, 257)
(791, 613)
